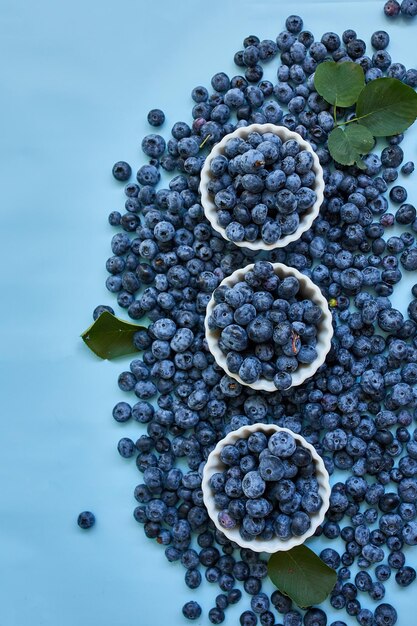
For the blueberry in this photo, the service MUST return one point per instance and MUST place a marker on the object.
(156, 117)
(216, 615)
(392, 8)
(380, 40)
(235, 232)
(191, 610)
(86, 519)
(148, 175)
(153, 146)
(250, 370)
(114, 218)
(331, 41)
(253, 485)
(122, 412)
(271, 231)
(385, 615)
(122, 171)
(271, 468)
(220, 82)
(282, 444)
(315, 617)
(406, 214)
(248, 618)
(199, 94)
(405, 576)
(409, 8)
(226, 520)
(300, 523)
(407, 168)
(311, 502)
(126, 447)
(100, 309)
(398, 194)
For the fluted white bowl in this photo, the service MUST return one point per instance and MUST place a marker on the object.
(308, 290)
(306, 218)
(214, 464)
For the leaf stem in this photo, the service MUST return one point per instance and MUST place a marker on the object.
(334, 113)
(203, 142)
(355, 119)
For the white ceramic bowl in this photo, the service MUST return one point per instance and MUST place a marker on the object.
(306, 218)
(214, 464)
(325, 329)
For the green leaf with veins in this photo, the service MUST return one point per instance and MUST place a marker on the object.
(109, 337)
(347, 145)
(386, 107)
(339, 83)
(300, 574)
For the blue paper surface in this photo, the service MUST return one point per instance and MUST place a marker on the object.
(78, 80)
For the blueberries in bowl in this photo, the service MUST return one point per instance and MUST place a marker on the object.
(261, 186)
(268, 487)
(266, 328)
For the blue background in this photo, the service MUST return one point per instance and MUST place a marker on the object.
(78, 80)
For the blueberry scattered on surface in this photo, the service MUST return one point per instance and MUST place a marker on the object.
(100, 309)
(126, 447)
(156, 117)
(86, 519)
(191, 610)
(122, 171)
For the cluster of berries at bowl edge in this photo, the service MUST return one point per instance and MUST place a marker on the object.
(407, 8)
(358, 410)
(261, 185)
(268, 488)
(266, 329)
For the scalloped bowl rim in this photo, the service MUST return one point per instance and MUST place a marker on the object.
(214, 464)
(324, 336)
(306, 219)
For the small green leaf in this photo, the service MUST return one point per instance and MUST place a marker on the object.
(300, 574)
(387, 107)
(346, 146)
(110, 337)
(339, 83)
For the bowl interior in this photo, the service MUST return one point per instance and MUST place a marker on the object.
(308, 290)
(306, 218)
(214, 464)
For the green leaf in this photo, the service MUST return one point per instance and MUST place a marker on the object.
(302, 575)
(387, 107)
(339, 83)
(346, 146)
(110, 337)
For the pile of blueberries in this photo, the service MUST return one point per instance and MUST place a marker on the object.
(268, 487)
(407, 8)
(261, 185)
(266, 329)
(359, 409)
